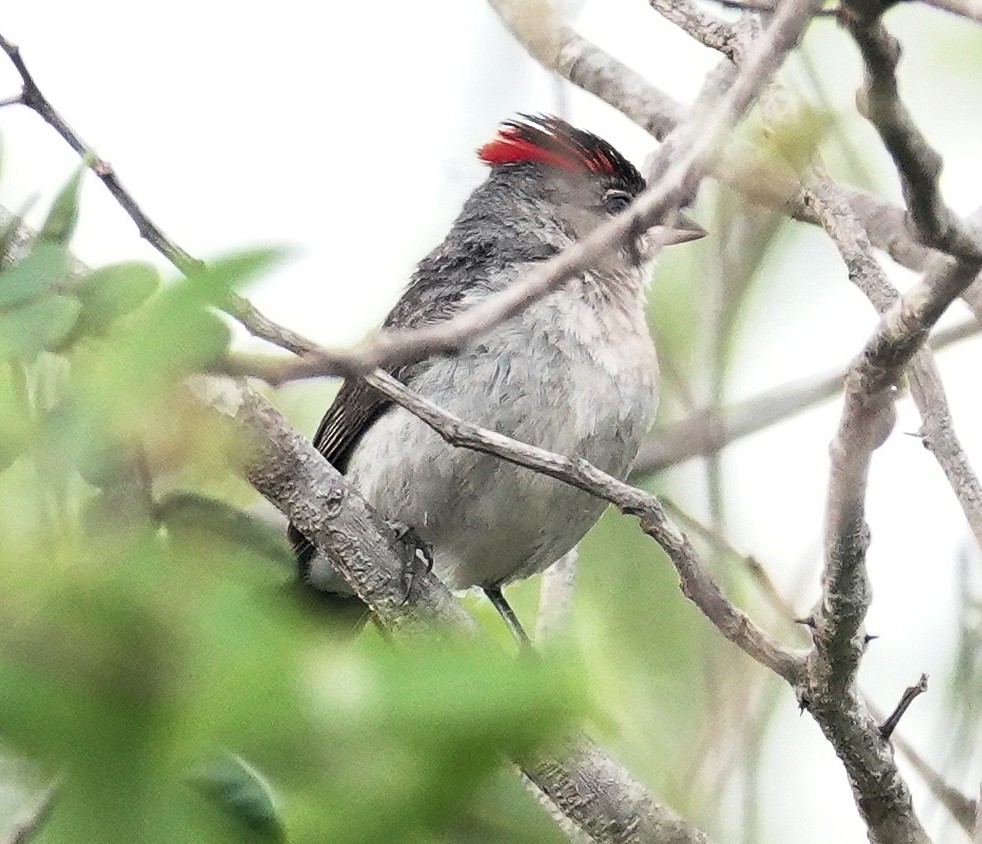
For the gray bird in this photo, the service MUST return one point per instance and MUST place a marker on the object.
(574, 373)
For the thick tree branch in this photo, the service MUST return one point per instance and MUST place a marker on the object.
(288, 471)
(830, 692)
(867, 418)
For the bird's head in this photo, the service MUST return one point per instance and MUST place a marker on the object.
(573, 177)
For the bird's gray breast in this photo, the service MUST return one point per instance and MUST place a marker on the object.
(565, 376)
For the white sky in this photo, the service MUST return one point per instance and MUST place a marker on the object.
(347, 131)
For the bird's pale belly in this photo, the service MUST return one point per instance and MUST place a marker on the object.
(490, 521)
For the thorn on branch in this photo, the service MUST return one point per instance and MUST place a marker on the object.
(888, 726)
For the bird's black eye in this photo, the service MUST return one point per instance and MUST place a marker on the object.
(616, 201)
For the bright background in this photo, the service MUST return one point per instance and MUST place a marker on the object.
(347, 132)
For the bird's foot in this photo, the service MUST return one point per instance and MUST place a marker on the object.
(413, 551)
(508, 616)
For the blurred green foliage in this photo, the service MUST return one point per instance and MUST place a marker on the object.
(153, 653)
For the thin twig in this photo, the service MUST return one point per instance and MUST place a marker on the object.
(32, 97)
(938, 436)
(708, 431)
(906, 699)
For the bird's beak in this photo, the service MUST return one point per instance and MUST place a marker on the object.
(678, 229)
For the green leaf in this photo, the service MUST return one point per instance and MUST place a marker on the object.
(195, 341)
(241, 791)
(110, 292)
(59, 226)
(29, 279)
(215, 282)
(26, 330)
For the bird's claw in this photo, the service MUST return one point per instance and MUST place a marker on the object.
(412, 548)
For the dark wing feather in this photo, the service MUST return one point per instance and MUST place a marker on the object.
(354, 409)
